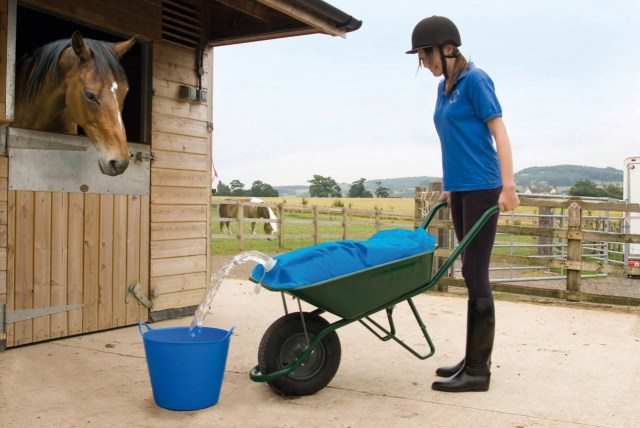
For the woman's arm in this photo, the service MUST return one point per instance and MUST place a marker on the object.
(508, 198)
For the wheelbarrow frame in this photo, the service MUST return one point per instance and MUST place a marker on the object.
(388, 305)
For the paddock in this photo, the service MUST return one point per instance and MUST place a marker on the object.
(81, 251)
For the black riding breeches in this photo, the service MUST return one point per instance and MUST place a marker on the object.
(466, 208)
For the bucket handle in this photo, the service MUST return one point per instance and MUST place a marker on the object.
(229, 332)
(144, 324)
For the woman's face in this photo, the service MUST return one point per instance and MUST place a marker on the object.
(430, 59)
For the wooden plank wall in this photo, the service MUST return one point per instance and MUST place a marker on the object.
(125, 17)
(180, 183)
(3, 64)
(4, 186)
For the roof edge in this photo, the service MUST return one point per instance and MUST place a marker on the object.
(343, 20)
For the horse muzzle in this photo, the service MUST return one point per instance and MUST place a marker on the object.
(113, 167)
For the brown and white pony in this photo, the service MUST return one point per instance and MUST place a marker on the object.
(249, 211)
(77, 82)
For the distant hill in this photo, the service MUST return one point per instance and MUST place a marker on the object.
(567, 175)
(562, 176)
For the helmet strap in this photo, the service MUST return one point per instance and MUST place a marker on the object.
(443, 58)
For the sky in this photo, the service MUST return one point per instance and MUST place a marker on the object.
(566, 72)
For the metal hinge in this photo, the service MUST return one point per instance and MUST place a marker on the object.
(135, 290)
(10, 317)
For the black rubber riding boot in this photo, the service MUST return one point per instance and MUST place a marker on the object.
(449, 371)
(476, 374)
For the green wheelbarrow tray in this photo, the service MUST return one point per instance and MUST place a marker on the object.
(356, 296)
(353, 295)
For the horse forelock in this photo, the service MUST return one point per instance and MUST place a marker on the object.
(105, 60)
(45, 59)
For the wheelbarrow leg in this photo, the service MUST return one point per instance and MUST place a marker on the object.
(391, 334)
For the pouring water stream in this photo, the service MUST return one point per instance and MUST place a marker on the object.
(218, 277)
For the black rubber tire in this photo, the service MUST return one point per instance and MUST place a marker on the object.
(284, 340)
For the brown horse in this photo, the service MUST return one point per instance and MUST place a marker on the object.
(77, 82)
(249, 211)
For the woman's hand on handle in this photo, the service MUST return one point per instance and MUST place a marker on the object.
(508, 200)
(445, 196)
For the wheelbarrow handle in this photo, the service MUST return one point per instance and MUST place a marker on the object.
(432, 212)
(465, 241)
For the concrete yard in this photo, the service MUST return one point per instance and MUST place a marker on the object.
(554, 365)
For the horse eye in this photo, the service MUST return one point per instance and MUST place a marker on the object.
(91, 97)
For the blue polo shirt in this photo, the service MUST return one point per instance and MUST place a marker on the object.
(469, 158)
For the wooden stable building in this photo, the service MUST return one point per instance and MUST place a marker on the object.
(81, 251)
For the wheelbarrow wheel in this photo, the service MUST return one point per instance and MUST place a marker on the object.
(285, 339)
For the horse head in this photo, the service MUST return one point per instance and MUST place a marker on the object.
(266, 212)
(77, 82)
(268, 230)
(95, 97)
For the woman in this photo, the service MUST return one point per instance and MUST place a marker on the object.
(476, 176)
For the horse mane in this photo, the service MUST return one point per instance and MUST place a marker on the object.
(45, 63)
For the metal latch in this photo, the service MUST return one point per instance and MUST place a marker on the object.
(143, 157)
(11, 317)
(135, 290)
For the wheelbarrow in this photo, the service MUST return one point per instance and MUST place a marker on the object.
(299, 354)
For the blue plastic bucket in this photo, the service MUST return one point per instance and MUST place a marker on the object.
(186, 372)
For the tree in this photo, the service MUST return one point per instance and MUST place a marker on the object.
(357, 189)
(258, 188)
(223, 189)
(613, 191)
(589, 188)
(324, 187)
(584, 188)
(237, 188)
(381, 192)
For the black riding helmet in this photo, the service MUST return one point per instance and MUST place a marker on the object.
(435, 31)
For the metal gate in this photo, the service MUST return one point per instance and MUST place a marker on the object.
(78, 240)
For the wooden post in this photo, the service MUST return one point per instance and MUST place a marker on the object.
(377, 220)
(442, 235)
(574, 252)
(316, 232)
(545, 242)
(281, 228)
(240, 218)
(417, 211)
(345, 224)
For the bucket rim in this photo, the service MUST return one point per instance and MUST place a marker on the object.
(149, 334)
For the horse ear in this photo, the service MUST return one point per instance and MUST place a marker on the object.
(80, 47)
(122, 48)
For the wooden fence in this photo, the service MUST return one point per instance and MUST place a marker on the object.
(319, 219)
(565, 222)
(576, 232)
